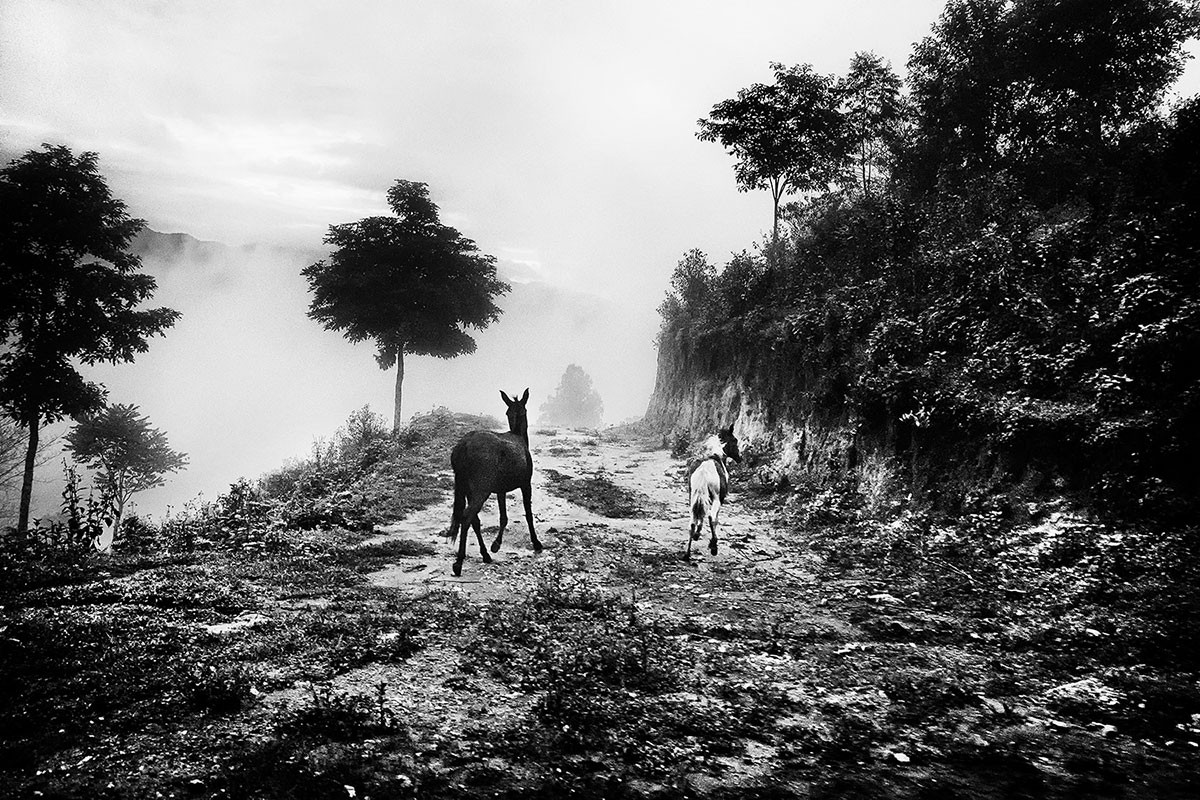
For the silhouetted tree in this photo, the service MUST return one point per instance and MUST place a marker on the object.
(872, 107)
(574, 403)
(407, 282)
(69, 291)
(787, 136)
(127, 455)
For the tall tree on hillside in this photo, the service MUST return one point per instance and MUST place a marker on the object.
(1040, 88)
(787, 136)
(872, 107)
(407, 282)
(574, 403)
(69, 291)
(962, 90)
(127, 455)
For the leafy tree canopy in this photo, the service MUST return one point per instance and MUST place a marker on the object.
(873, 109)
(407, 282)
(787, 136)
(1043, 86)
(70, 289)
(127, 454)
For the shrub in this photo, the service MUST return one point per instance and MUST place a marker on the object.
(218, 688)
(341, 716)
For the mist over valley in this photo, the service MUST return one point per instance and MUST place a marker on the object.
(246, 381)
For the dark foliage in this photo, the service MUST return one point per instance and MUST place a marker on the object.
(1019, 306)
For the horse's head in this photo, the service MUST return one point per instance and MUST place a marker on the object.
(729, 444)
(518, 419)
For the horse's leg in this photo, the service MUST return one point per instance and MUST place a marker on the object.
(470, 516)
(696, 525)
(527, 499)
(487, 559)
(500, 501)
(712, 522)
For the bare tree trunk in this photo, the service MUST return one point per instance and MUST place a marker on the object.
(396, 418)
(27, 482)
(119, 500)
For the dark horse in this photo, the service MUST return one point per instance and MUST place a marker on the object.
(486, 462)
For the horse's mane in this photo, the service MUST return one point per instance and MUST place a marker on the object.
(712, 447)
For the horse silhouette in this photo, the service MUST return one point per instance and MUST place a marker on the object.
(485, 462)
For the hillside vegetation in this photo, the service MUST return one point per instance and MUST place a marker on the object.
(1018, 302)
(1000, 327)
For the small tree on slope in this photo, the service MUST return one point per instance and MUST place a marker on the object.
(127, 455)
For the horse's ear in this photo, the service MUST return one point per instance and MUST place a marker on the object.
(525, 397)
(507, 399)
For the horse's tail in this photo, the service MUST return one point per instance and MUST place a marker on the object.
(459, 508)
(701, 500)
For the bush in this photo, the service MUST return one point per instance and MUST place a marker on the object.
(219, 688)
(341, 716)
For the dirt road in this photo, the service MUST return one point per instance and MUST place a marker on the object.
(605, 666)
(657, 526)
(788, 676)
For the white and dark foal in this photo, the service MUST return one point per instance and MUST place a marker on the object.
(710, 484)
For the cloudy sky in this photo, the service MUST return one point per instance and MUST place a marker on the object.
(558, 135)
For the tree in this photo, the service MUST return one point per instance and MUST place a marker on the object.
(787, 136)
(871, 98)
(574, 403)
(408, 282)
(1089, 69)
(685, 308)
(1041, 88)
(70, 291)
(961, 88)
(13, 442)
(127, 455)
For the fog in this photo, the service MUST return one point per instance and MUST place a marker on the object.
(558, 136)
(245, 381)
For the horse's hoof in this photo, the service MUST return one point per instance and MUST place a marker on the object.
(537, 547)
(486, 558)
(457, 568)
(712, 548)
(496, 546)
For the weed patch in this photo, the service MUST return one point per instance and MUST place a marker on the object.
(599, 494)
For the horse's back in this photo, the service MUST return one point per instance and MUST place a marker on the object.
(496, 458)
(711, 476)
